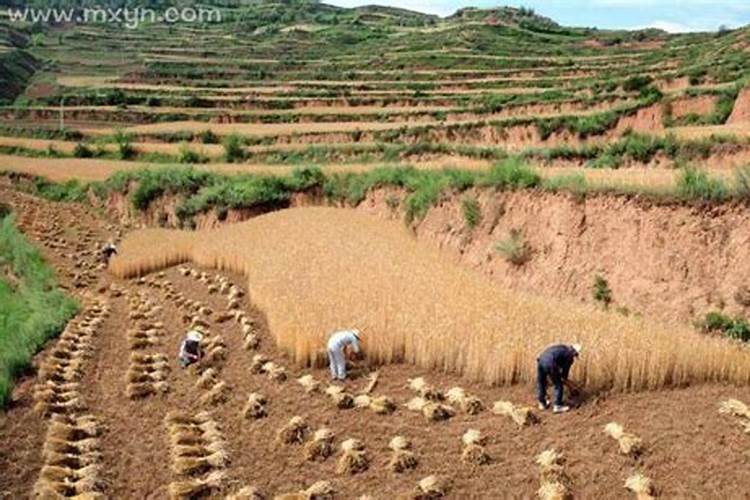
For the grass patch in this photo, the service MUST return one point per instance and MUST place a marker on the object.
(514, 248)
(696, 184)
(32, 309)
(472, 212)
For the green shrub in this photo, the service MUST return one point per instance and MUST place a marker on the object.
(82, 151)
(208, 137)
(601, 291)
(734, 328)
(514, 248)
(187, 155)
(742, 181)
(233, 151)
(125, 149)
(637, 83)
(696, 184)
(511, 173)
(472, 212)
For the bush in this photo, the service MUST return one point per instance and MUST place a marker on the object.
(696, 184)
(514, 248)
(187, 155)
(233, 152)
(636, 83)
(742, 181)
(511, 173)
(208, 137)
(125, 150)
(472, 212)
(82, 151)
(733, 328)
(601, 291)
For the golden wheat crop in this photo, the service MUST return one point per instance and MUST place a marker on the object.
(313, 270)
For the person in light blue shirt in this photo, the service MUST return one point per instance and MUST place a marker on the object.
(337, 345)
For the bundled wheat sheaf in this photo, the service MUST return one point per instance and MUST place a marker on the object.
(274, 372)
(402, 457)
(321, 490)
(415, 320)
(431, 410)
(308, 383)
(629, 444)
(71, 459)
(255, 406)
(321, 447)
(353, 458)
(57, 390)
(738, 409)
(468, 403)
(474, 452)
(521, 415)
(147, 374)
(246, 493)
(198, 452)
(429, 488)
(293, 432)
(425, 390)
(552, 476)
(641, 486)
(342, 399)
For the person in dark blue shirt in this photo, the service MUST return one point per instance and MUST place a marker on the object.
(554, 364)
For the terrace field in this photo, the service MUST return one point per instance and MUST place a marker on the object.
(466, 190)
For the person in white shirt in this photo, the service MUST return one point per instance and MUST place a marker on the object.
(337, 344)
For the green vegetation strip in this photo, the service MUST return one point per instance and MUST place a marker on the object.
(32, 309)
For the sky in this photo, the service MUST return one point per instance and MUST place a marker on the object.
(670, 15)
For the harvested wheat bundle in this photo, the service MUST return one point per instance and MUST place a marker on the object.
(473, 436)
(274, 371)
(81, 481)
(402, 458)
(353, 458)
(735, 407)
(251, 342)
(341, 398)
(256, 365)
(246, 493)
(641, 486)
(399, 443)
(79, 447)
(294, 432)
(416, 403)
(362, 401)
(73, 428)
(521, 415)
(137, 357)
(553, 491)
(475, 454)
(429, 488)
(218, 394)
(255, 407)
(208, 379)
(552, 476)
(190, 465)
(425, 390)
(321, 447)
(630, 444)
(194, 488)
(309, 383)
(435, 412)
(382, 405)
(71, 460)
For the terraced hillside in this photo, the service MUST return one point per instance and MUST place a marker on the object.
(314, 84)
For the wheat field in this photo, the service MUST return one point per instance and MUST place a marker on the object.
(339, 268)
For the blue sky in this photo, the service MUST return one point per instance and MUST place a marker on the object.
(672, 15)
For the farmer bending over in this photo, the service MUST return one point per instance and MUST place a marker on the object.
(555, 363)
(108, 251)
(190, 349)
(337, 345)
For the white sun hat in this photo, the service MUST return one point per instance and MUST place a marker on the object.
(577, 348)
(357, 333)
(195, 335)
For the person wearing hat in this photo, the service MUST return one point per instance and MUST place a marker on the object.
(554, 363)
(337, 345)
(190, 349)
